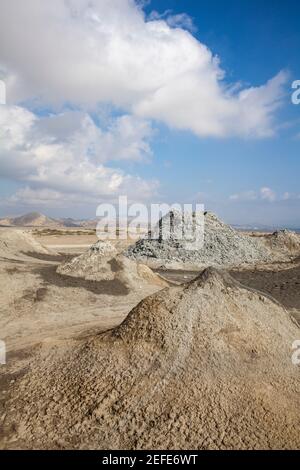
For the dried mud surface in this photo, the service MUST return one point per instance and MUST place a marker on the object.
(93, 363)
(197, 366)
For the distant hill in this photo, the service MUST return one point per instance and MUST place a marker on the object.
(32, 219)
(92, 223)
(254, 227)
(263, 228)
(36, 219)
(69, 222)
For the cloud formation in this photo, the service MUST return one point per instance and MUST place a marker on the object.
(268, 194)
(106, 51)
(244, 196)
(263, 194)
(64, 156)
(179, 20)
(85, 56)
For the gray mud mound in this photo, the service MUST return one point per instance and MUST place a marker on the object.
(90, 263)
(223, 246)
(285, 242)
(101, 263)
(18, 242)
(206, 365)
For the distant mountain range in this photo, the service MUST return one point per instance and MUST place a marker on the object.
(262, 228)
(36, 219)
(254, 227)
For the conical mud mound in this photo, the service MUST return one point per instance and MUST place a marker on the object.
(102, 263)
(17, 243)
(206, 365)
(223, 246)
(285, 242)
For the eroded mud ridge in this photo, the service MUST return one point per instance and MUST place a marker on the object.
(205, 365)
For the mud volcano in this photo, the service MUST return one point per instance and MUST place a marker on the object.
(102, 263)
(223, 246)
(285, 242)
(17, 243)
(206, 365)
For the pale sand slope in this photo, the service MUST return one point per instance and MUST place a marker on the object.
(206, 365)
(17, 243)
(37, 303)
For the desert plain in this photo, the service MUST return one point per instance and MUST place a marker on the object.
(109, 347)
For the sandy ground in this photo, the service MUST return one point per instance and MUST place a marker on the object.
(205, 365)
(72, 240)
(37, 303)
(42, 311)
(39, 307)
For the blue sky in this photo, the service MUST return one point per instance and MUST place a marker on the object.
(245, 174)
(254, 40)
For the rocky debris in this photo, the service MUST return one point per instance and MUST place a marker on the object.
(206, 365)
(102, 263)
(222, 245)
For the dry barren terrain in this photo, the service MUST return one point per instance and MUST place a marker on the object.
(202, 361)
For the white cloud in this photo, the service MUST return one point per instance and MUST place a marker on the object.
(244, 196)
(291, 196)
(181, 20)
(105, 51)
(66, 155)
(44, 197)
(265, 193)
(268, 194)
